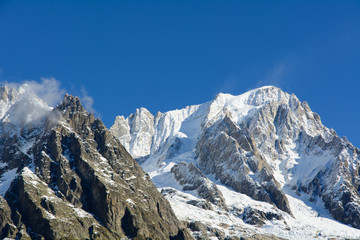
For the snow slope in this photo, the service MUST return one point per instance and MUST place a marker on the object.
(21, 116)
(260, 152)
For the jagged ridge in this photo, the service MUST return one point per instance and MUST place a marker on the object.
(71, 179)
(264, 143)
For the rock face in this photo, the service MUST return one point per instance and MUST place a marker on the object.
(191, 178)
(234, 151)
(64, 176)
(136, 131)
(265, 147)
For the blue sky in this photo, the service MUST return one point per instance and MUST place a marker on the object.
(164, 55)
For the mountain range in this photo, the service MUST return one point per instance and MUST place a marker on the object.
(261, 162)
(260, 165)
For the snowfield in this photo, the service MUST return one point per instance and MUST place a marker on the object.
(298, 150)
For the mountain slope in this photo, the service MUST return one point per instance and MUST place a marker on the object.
(292, 176)
(64, 176)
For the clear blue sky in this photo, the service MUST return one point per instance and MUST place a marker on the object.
(164, 55)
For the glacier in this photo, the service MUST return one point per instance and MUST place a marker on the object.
(260, 162)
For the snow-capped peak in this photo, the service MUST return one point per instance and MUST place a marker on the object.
(265, 144)
(142, 134)
(21, 106)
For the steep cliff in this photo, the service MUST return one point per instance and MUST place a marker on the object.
(291, 174)
(64, 176)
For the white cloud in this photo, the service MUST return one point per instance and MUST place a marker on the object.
(87, 101)
(231, 83)
(275, 75)
(48, 90)
(31, 101)
(26, 110)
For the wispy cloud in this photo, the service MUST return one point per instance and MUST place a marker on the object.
(87, 101)
(35, 97)
(31, 100)
(48, 90)
(230, 84)
(275, 75)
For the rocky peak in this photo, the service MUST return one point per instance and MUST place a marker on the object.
(142, 121)
(121, 130)
(73, 179)
(71, 104)
(135, 132)
(264, 144)
(20, 106)
(4, 93)
(8, 93)
(74, 114)
(266, 94)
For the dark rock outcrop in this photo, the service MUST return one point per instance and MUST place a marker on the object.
(231, 156)
(191, 178)
(76, 181)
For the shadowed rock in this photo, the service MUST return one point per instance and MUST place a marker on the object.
(77, 182)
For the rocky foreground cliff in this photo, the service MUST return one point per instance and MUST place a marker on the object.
(258, 163)
(64, 176)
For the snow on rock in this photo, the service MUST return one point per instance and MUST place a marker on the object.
(277, 168)
(67, 171)
(6, 179)
(135, 131)
(22, 116)
(21, 106)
